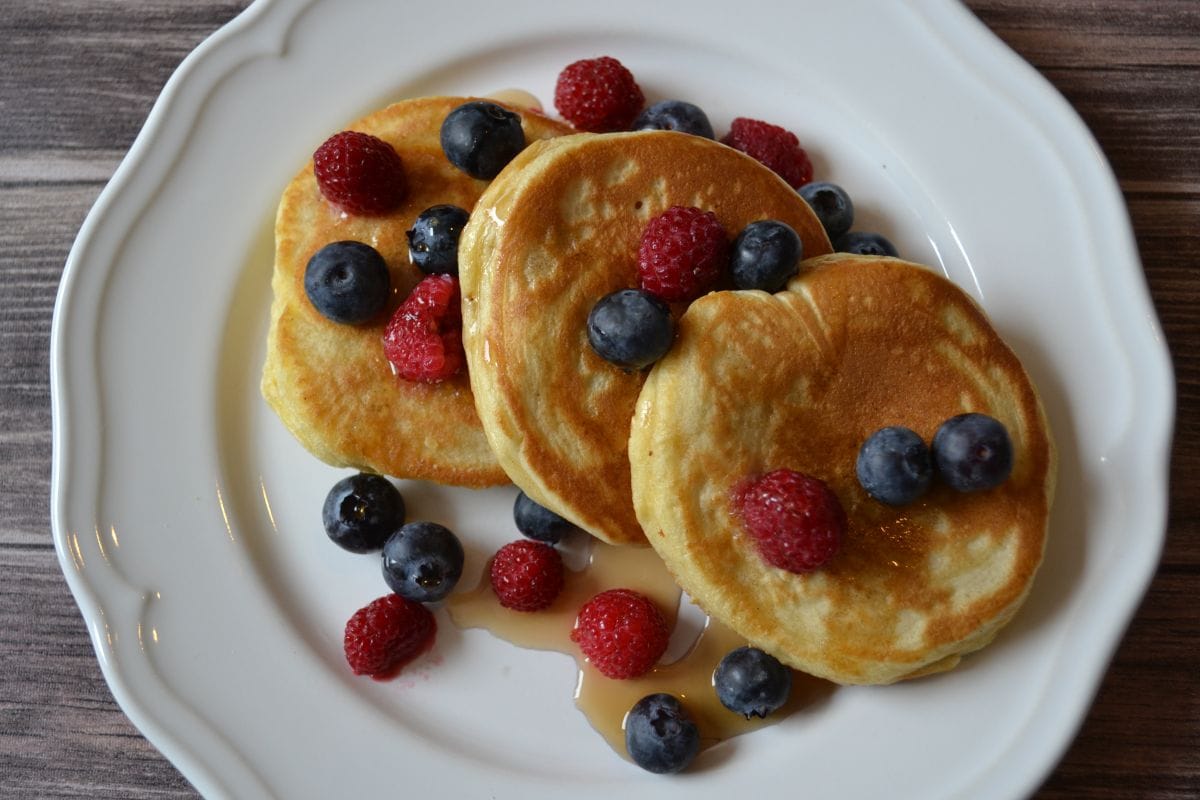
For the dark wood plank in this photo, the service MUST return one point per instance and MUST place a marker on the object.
(77, 79)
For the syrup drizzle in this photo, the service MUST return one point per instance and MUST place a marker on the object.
(605, 701)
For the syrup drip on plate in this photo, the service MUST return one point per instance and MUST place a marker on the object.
(603, 700)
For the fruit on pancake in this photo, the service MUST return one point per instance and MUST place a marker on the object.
(598, 95)
(894, 465)
(772, 146)
(433, 239)
(480, 137)
(683, 252)
(423, 339)
(799, 380)
(359, 172)
(972, 452)
(795, 520)
(386, 634)
(765, 255)
(660, 735)
(347, 282)
(631, 328)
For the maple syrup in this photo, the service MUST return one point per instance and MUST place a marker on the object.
(605, 701)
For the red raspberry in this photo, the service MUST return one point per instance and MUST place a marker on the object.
(387, 634)
(682, 253)
(621, 632)
(598, 95)
(795, 520)
(423, 339)
(527, 575)
(360, 173)
(773, 146)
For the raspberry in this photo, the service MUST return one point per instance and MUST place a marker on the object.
(795, 520)
(621, 632)
(773, 146)
(423, 339)
(527, 575)
(386, 634)
(598, 95)
(360, 173)
(682, 253)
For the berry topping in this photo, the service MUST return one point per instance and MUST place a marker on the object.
(972, 452)
(765, 255)
(598, 95)
(675, 115)
(347, 282)
(630, 328)
(422, 562)
(526, 575)
(622, 633)
(682, 253)
(360, 173)
(433, 239)
(894, 466)
(362, 511)
(660, 735)
(481, 137)
(832, 206)
(772, 146)
(387, 634)
(423, 340)
(751, 682)
(538, 522)
(864, 244)
(795, 520)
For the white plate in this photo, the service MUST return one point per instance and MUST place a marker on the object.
(187, 520)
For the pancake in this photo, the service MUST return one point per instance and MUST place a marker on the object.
(799, 380)
(331, 384)
(557, 230)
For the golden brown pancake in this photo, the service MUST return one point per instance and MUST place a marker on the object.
(330, 383)
(798, 380)
(556, 231)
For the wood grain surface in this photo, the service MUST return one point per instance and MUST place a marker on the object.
(77, 78)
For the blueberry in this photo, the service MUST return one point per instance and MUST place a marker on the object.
(660, 735)
(751, 682)
(538, 522)
(347, 282)
(362, 511)
(765, 255)
(433, 239)
(422, 561)
(864, 244)
(894, 466)
(972, 452)
(481, 137)
(675, 115)
(631, 328)
(832, 206)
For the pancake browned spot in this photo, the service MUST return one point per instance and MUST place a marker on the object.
(799, 380)
(557, 230)
(331, 384)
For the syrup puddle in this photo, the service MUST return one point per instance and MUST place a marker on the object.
(605, 701)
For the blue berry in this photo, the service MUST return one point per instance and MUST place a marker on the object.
(832, 206)
(660, 735)
(481, 137)
(433, 239)
(894, 466)
(675, 115)
(347, 282)
(538, 522)
(751, 682)
(765, 255)
(972, 452)
(864, 244)
(631, 328)
(362, 511)
(422, 561)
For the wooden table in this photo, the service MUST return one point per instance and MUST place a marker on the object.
(77, 78)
